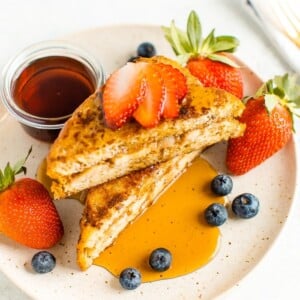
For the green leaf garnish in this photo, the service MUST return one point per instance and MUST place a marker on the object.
(193, 43)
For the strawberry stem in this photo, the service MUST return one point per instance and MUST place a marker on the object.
(7, 176)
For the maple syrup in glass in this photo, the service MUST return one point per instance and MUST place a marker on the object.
(46, 83)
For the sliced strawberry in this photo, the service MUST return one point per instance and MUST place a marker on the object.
(175, 89)
(144, 90)
(122, 93)
(181, 85)
(149, 110)
(171, 106)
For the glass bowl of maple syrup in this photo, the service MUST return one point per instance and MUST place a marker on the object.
(45, 83)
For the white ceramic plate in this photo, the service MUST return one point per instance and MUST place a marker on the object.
(244, 242)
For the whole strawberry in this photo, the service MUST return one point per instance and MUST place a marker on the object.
(27, 212)
(207, 58)
(269, 124)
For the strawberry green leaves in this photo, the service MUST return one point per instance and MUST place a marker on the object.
(7, 176)
(194, 31)
(271, 101)
(287, 88)
(192, 44)
(179, 42)
(284, 90)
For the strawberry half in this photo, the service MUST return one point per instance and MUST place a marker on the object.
(122, 94)
(175, 89)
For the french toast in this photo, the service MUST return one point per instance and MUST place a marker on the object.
(111, 206)
(88, 153)
(124, 171)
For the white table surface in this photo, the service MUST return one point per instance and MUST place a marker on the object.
(29, 21)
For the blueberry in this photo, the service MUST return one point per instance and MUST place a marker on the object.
(216, 214)
(221, 185)
(43, 262)
(160, 259)
(245, 206)
(130, 278)
(146, 49)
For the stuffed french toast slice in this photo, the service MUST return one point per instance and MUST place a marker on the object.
(88, 153)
